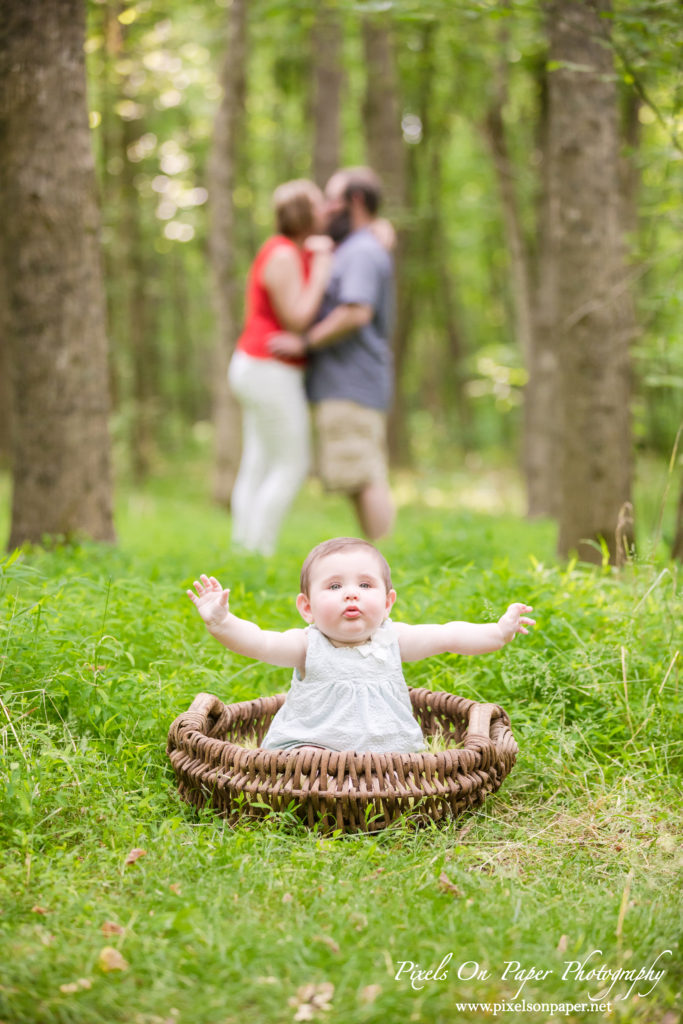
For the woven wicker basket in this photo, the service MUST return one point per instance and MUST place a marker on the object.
(340, 790)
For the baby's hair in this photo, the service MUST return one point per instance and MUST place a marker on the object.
(330, 547)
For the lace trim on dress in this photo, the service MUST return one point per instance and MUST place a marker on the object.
(379, 643)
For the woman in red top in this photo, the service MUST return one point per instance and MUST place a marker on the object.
(284, 290)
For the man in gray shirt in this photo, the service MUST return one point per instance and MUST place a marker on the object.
(350, 366)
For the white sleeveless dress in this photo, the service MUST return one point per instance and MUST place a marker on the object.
(351, 698)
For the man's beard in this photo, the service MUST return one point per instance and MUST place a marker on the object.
(339, 226)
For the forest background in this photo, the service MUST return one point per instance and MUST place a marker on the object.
(538, 214)
(532, 160)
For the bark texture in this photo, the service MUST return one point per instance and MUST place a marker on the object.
(382, 114)
(140, 332)
(441, 286)
(5, 390)
(386, 155)
(594, 317)
(328, 79)
(677, 547)
(542, 427)
(55, 298)
(532, 278)
(222, 179)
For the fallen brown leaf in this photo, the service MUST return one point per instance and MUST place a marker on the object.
(370, 993)
(311, 999)
(75, 986)
(112, 928)
(111, 960)
(134, 855)
(446, 885)
(328, 941)
(39, 910)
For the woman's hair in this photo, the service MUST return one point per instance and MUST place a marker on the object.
(293, 203)
(330, 547)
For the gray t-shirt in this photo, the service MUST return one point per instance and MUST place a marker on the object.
(358, 367)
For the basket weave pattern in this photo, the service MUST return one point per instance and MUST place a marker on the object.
(351, 792)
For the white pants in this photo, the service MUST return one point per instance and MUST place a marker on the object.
(276, 447)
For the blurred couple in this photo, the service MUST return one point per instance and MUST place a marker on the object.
(319, 305)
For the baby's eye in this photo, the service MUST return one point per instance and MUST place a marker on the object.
(335, 586)
(366, 585)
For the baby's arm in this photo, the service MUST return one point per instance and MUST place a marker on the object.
(416, 642)
(211, 601)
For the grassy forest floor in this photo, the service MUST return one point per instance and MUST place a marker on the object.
(575, 860)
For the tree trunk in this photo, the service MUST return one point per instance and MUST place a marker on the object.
(382, 115)
(677, 549)
(328, 78)
(50, 251)
(532, 305)
(109, 138)
(629, 174)
(185, 363)
(541, 437)
(386, 155)
(5, 390)
(222, 177)
(519, 257)
(140, 328)
(594, 317)
(427, 246)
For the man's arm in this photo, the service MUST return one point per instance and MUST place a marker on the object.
(335, 326)
(416, 642)
(340, 321)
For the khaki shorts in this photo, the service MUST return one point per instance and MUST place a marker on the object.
(351, 444)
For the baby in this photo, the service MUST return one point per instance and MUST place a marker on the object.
(348, 690)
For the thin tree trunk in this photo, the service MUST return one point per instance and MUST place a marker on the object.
(222, 180)
(431, 243)
(541, 438)
(386, 155)
(50, 251)
(186, 371)
(594, 317)
(382, 114)
(446, 296)
(140, 329)
(532, 306)
(629, 175)
(109, 134)
(677, 548)
(5, 389)
(328, 79)
(519, 257)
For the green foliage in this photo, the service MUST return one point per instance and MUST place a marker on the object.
(101, 649)
(153, 71)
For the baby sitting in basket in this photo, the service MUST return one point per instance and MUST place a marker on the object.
(348, 690)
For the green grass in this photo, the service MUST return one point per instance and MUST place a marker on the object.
(577, 852)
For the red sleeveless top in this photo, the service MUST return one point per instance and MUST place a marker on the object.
(261, 320)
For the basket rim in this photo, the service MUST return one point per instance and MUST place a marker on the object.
(481, 747)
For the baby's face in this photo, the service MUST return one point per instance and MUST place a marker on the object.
(347, 598)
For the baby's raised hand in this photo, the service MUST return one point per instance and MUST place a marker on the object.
(211, 601)
(515, 620)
